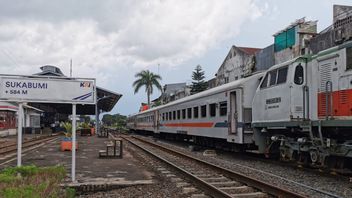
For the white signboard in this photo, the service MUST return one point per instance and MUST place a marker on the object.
(47, 89)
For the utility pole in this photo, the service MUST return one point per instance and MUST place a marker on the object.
(71, 67)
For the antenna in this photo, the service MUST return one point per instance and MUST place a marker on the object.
(158, 69)
(71, 67)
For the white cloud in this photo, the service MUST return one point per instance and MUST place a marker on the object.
(107, 37)
(139, 33)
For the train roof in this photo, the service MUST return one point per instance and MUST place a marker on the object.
(214, 90)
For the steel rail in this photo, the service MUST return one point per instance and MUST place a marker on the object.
(28, 143)
(264, 187)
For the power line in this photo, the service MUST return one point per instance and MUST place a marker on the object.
(10, 57)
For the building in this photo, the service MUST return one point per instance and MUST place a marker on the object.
(212, 83)
(8, 119)
(338, 32)
(49, 70)
(264, 58)
(293, 40)
(239, 62)
(174, 91)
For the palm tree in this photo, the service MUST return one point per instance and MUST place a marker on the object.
(147, 79)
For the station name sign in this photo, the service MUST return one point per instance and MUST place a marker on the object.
(47, 89)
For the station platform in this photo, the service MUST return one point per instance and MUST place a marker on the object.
(90, 168)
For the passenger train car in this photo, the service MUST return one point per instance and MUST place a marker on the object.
(222, 114)
(298, 110)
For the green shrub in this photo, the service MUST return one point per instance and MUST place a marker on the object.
(5, 178)
(70, 192)
(32, 182)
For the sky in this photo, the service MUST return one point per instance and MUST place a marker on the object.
(112, 40)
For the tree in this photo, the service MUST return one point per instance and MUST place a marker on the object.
(85, 118)
(114, 120)
(198, 83)
(149, 80)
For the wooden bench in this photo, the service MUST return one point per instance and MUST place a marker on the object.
(113, 144)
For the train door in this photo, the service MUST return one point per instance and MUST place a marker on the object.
(233, 113)
(156, 121)
(297, 90)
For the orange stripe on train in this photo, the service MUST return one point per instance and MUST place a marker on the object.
(193, 124)
(341, 103)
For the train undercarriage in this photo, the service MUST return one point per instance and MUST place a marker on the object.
(309, 145)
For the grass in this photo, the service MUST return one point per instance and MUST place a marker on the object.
(33, 182)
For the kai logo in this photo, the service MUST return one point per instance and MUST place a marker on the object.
(85, 84)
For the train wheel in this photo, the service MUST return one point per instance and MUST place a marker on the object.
(304, 159)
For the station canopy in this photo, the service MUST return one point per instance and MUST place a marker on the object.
(107, 99)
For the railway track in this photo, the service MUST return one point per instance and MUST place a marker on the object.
(10, 148)
(214, 180)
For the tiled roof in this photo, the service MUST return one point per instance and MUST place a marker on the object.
(249, 50)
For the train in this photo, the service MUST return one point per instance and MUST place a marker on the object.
(299, 110)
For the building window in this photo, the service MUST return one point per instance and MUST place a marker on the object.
(223, 108)
(298, 79)
(203, 111)
(189, 113)
(195, 112)
(282, 75)
(183, 113)
(212, 110)
(178, 114)
(348, 58)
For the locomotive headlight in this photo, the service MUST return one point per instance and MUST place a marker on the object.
(302, 140)
(274, 138)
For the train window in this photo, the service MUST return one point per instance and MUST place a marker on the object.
(273, 75)
(348, 58)
(189, 113)
(298, 79)
(212, 110)
(223, 108)
(265, 82)
(178, 114)
(282, 75)
(183, 113)
(203, 111)
(170, 116)
(195, 112)
(174, 115)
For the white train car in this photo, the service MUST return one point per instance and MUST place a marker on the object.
(303, 108)
(223, 113)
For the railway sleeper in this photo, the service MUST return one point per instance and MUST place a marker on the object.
(238, 189)
(225, 184)
(250, 195)
(203, 175)
(215, 179)
(200, 196)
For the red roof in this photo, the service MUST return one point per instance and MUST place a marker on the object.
(249, 50)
